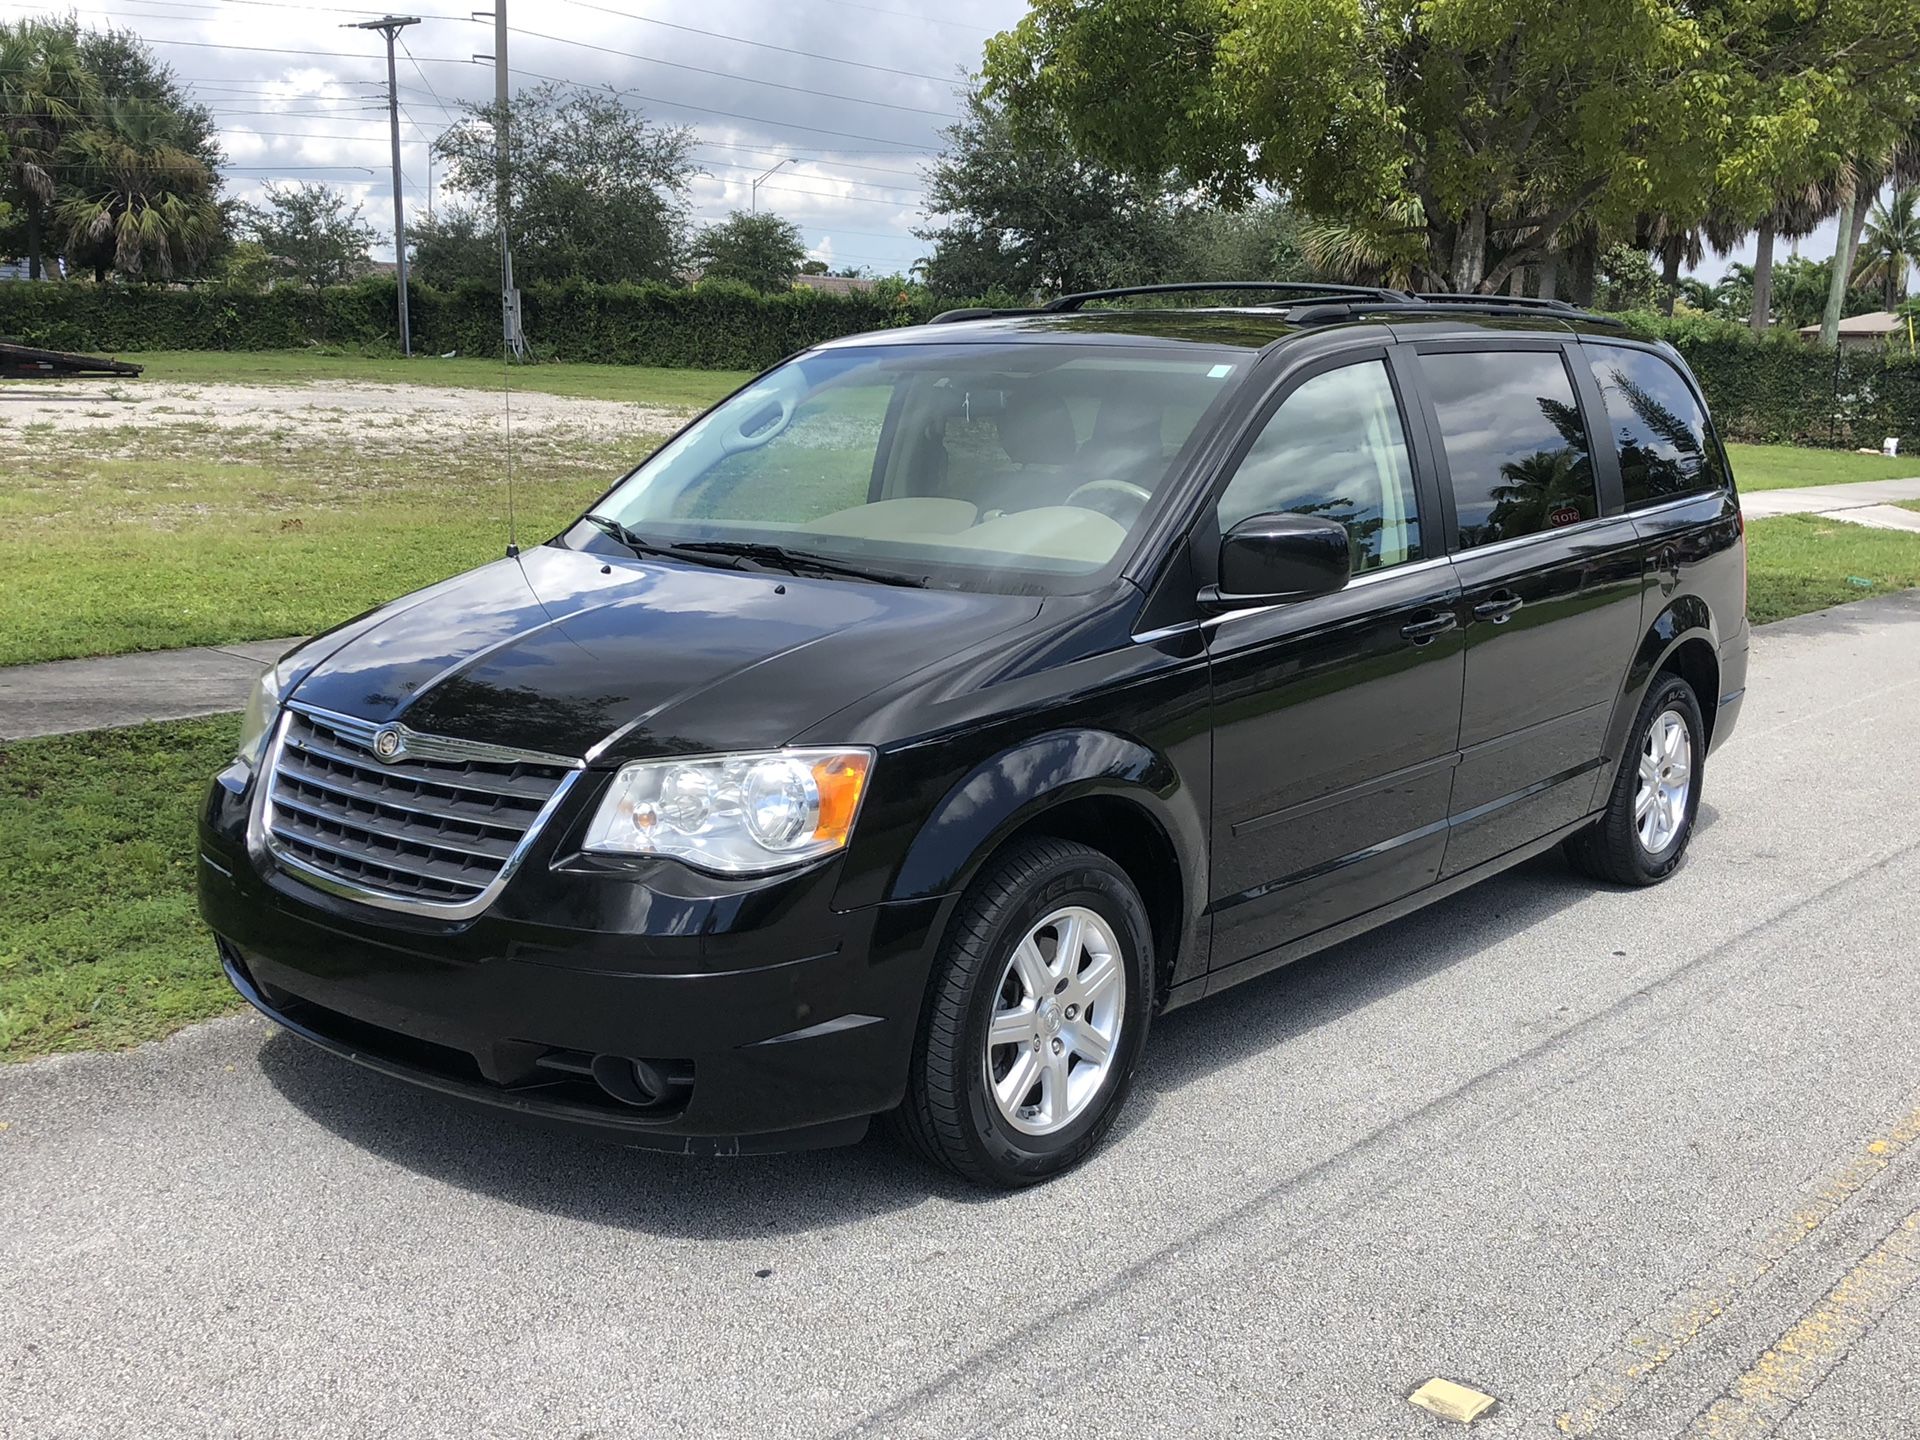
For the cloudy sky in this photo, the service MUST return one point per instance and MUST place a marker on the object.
(852, 94)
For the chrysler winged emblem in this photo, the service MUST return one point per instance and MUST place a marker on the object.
(387, 743)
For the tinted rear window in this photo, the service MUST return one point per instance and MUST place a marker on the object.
(1517, 451)
(1659, 428)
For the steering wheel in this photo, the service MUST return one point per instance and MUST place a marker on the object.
(1123, 500)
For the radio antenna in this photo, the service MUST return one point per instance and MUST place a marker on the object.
(512, 342)
(506, 414)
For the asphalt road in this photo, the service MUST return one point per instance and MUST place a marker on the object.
(1636, 1164)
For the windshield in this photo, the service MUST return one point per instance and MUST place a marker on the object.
(1014, 467)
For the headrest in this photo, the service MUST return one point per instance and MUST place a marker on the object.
(1037, 429)
(1126, 424)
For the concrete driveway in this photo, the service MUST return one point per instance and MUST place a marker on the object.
(1636, 1164)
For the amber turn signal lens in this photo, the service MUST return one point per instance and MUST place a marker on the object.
(841, 779)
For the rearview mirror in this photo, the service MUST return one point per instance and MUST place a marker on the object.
(1266, 559)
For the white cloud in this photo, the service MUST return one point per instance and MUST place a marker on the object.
(306, 101)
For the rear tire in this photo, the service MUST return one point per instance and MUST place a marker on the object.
(1037, 1011)
(1643, 833)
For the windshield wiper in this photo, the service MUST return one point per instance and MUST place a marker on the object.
(796, 561)
(640, 545)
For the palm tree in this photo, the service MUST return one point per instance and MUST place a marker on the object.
(1797, 211)
(46, 92)
(1390, 251)
(1891, 241)
(136, 200)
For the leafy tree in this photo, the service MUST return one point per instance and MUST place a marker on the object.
(314, 234)
(763, 251)
(813, 267)
(1490, 124)
(135, 199)
(1800, 288)
(1260, 242)
(1890, 244)
(125, 68)
(244, 265)
(46, 93)
(1626, 280)
(1017, 209)
(460, 244)
(116, 164)
(596, 191)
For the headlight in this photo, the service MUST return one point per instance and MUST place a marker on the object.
(263, 708)
(735, 814)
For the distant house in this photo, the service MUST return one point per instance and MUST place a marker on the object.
(13, 268)
(835, 284)
(1864, 332)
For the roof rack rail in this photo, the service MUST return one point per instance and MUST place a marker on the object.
(1520, 306)
(1463, 297)
(1283, 287)
(978, 312)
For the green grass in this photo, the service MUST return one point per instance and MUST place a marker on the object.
(1797, 563)
(638, 384)
(1775, 467)
(121, 540)
(100, 945)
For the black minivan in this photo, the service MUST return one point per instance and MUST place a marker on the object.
(919, 722)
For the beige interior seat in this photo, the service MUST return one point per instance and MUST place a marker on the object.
(903, 519)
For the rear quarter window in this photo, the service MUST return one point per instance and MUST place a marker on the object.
(1658, 427)
(1517, 452)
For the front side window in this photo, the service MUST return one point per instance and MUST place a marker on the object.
(1517, 451)
(1659, 427)
(1016, 467)
(1335, 448)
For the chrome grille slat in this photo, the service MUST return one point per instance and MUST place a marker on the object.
(423, 867)
(516, 819)
(324, 863)
(422, 772)
(437, 830)
(398, 834)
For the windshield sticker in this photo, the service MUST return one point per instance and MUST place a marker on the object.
(1219, 372)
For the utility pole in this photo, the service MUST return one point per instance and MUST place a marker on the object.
(511, 333)
(391, 26)
(753, 192)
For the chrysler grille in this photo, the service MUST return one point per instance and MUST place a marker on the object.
(437, 828)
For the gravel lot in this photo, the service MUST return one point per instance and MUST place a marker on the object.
(1638, 1164)
(324, 411)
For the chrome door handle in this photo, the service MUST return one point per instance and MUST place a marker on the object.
(1499, 609)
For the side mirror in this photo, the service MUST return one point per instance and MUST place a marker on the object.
(1266, 559)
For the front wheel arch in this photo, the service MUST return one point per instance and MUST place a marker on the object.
(1095, 788)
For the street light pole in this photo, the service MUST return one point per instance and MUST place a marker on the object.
(391, 26)
(753, 194)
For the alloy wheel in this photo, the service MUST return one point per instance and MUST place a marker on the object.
(1666, 780)
(1054, 1034)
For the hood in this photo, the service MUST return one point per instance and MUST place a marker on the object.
(609, 658)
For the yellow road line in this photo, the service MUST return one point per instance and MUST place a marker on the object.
(1658, 1338)
(1775, 1384)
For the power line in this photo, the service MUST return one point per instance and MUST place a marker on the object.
(727, 114)
(863, 184)
(426, 82)
(805, 160)
(731, 75)
(919, 19)
(761, 44)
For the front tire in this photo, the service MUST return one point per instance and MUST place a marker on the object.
(1644, 830)
(1038, 1010)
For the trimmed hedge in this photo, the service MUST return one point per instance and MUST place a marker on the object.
(711, 326)
(1770, 389)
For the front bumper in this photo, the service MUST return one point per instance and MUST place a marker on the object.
(794, 1021)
